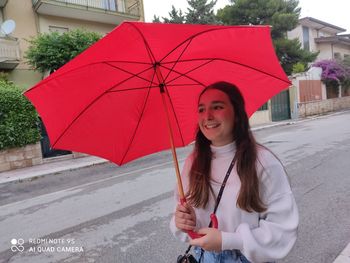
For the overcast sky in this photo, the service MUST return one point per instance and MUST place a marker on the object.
(335, 12)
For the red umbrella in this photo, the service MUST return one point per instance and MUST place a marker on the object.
(120, 97)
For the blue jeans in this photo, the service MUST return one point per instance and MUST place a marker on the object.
(226, 256)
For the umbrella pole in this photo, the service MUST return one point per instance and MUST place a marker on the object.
(171, 136)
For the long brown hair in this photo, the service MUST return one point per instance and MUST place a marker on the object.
(246, 157)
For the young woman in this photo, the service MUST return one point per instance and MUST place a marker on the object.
(257, 214)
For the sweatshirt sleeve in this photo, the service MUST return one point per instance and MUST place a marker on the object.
(276, 233)
(184, 177)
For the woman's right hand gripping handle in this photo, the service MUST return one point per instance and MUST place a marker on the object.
(185, 219)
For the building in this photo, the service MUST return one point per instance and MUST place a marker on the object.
(33, 17)
(316, 35)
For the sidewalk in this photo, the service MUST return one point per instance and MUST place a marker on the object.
(50, 168)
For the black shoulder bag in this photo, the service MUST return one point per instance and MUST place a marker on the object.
(188, 257)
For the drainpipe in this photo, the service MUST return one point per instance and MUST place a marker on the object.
(332, 50)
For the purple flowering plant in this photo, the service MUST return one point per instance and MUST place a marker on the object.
(333, 71)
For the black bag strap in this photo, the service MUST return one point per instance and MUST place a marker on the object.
(218, 198)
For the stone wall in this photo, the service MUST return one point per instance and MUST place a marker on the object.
(322, 106)
(20, 157)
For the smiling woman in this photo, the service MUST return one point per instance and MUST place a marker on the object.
(257, 216)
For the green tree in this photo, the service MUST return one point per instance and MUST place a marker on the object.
(199, 12)
(50, 51)
(176, 17)
(282, 15)
(290, 52)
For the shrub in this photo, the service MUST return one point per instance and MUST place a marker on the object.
(50, 51)
(18, 118)
(333, 72)
(298, 68)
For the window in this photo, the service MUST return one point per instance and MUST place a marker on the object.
(337, 56)
(110, 5)
(306, 39)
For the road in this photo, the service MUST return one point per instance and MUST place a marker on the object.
(107, 213)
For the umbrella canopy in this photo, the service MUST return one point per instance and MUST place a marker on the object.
(109, 101)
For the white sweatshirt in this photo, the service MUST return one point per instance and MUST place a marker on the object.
(261, 237)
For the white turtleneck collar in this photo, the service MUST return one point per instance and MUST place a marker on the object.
(224, 150)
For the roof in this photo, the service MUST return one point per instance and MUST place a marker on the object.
(318, 24)
(338, 39)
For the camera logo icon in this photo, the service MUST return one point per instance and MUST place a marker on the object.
(17, 245)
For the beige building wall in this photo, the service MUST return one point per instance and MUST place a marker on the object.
(30, 24)
(327, 51)
(260, 117)
(295, 33)
(45, 22)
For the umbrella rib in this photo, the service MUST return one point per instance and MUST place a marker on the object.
(179, 85)
(45, 81)
(139, 88)
(185, 74)
(150, 53)
(178, 59)
(192, 37)
(226, 60)
(206, 31)
(175, 116)
(129, 72)
(138, 123)
(91, 103)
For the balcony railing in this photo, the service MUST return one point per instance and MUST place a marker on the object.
(9, 53)
(120, 6)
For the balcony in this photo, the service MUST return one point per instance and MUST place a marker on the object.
(3, 3)
(104, 11)
(9, 53)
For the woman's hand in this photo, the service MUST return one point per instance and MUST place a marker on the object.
(185, 217)
(212, 241)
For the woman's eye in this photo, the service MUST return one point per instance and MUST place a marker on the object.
(218, 107)
(200, 110)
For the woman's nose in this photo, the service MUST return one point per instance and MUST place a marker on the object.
(208, 115)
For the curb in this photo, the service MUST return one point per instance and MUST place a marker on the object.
(344, 256)
(41, 170)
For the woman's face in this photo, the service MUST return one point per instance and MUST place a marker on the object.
(216, 117)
